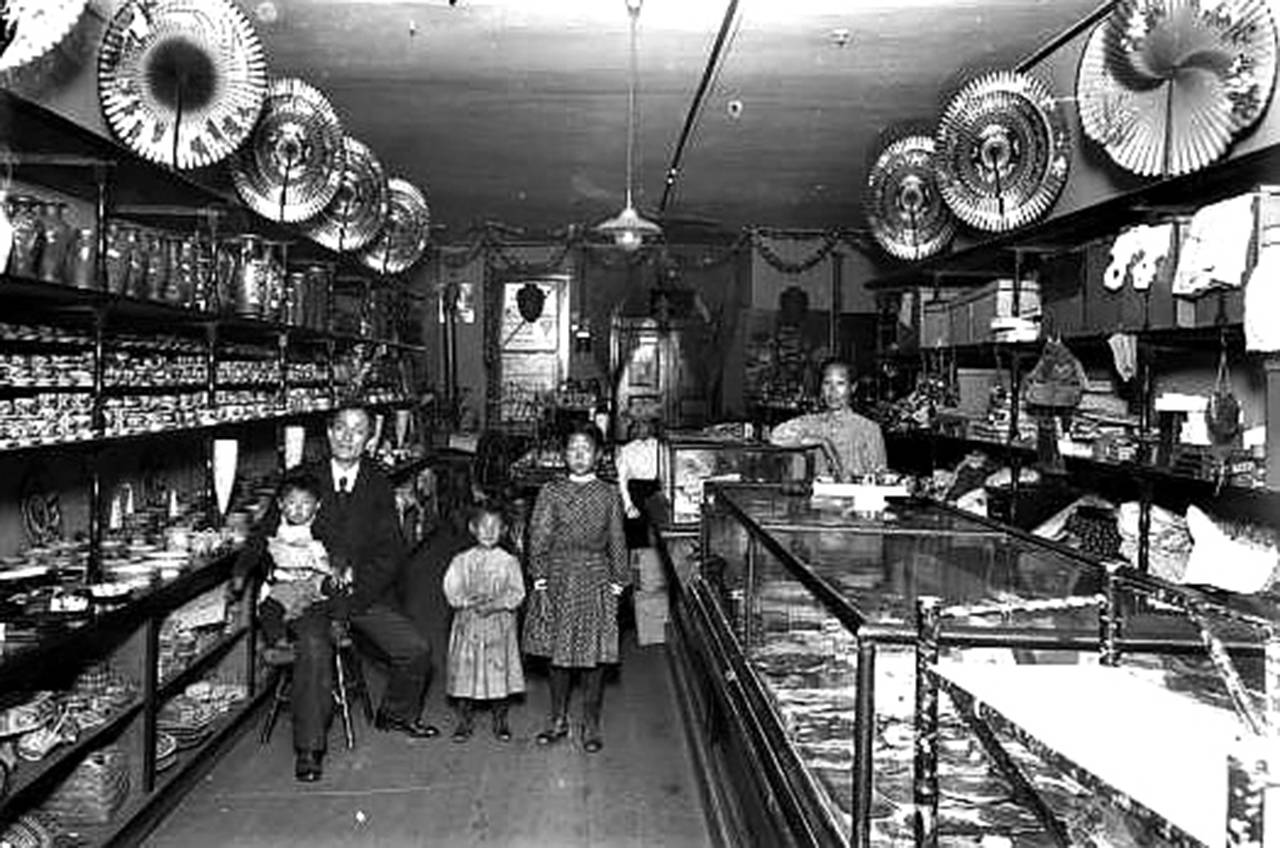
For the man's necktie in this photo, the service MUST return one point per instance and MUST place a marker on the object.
(344, 488)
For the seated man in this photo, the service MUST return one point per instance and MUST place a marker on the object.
(356, 522)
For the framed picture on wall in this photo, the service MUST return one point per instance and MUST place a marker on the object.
(642, 370)
(644, 406)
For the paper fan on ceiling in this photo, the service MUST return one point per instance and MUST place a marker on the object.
(1003, 151)
(904, 206)
(292, 165)
(181, 81)
(358, 208)
(31, 28)
(403, 238)
(1165, 85)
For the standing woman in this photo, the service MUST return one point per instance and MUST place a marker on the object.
(851, 444)
(578, 565)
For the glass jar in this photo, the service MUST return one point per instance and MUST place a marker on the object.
(250, 278)
(316, 300)
(182, 273)
(135, 277)
(226, 268)
(82, 259)
(157, 267)
(57, 236)
(27, 237)
(295, 292)
(204, 293)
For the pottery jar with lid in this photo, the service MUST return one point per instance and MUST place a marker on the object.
(115, 264)
(28, 235)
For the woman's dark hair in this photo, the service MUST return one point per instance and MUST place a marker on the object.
(487, 507)
(584, 428)
(837, 363)
(298, 480)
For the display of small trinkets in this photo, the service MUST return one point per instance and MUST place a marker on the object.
(47, 370)
(46, 418)
(264, 372)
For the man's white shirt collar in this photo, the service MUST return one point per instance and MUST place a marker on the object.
(339, 473)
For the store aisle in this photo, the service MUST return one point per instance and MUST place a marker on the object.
(392, 791)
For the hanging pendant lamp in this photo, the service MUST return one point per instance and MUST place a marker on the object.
(628, 228)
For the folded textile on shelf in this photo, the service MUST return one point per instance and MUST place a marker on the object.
(1217, 247)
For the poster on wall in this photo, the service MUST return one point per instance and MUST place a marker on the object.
(541, 335)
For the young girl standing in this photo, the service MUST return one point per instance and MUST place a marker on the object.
(484, 586)
(579, 567)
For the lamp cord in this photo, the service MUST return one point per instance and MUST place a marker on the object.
(633, 11)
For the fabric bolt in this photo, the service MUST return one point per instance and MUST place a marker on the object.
(484, 649)
(1262, 296)
(1217, 247)
(577, 545)
(858, 442)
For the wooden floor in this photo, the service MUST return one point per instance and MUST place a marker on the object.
(392, 791)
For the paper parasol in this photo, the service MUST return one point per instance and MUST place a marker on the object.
(292, 164)
(404, 235)
(181, 81)
(359, 208)
(1003, 151)
(907, 214)
(1165, 85)
(31, 28)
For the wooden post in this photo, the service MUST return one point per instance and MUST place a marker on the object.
(1273, 421)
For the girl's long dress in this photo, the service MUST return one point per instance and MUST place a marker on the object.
(576, 542)
(484, 650)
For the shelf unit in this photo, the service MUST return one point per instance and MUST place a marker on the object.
(124, 357)
(1060, 246)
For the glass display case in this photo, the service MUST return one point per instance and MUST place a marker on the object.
(807, 625)
(694, 459)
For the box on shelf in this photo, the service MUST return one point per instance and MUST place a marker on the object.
(971, 314)
(935, 326)
(1062, 293)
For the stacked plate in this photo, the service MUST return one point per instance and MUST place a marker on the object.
(166, 751)
(188, 721)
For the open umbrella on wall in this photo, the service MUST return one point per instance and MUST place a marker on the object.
(181, 82)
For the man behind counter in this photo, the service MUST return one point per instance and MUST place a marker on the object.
(852, 446)
(357, 524)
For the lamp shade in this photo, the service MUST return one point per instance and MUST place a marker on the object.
(628, 229)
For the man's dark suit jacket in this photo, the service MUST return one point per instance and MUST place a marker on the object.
(363, 531)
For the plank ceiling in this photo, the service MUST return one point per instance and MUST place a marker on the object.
(515, 110)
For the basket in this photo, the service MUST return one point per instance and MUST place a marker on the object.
(93, 793)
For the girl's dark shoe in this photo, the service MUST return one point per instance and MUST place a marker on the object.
(591, 741)
(501, 731)
(557, 730)
(462, 732)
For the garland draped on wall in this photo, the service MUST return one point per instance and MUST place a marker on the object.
(707, 269)
(495, 243)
